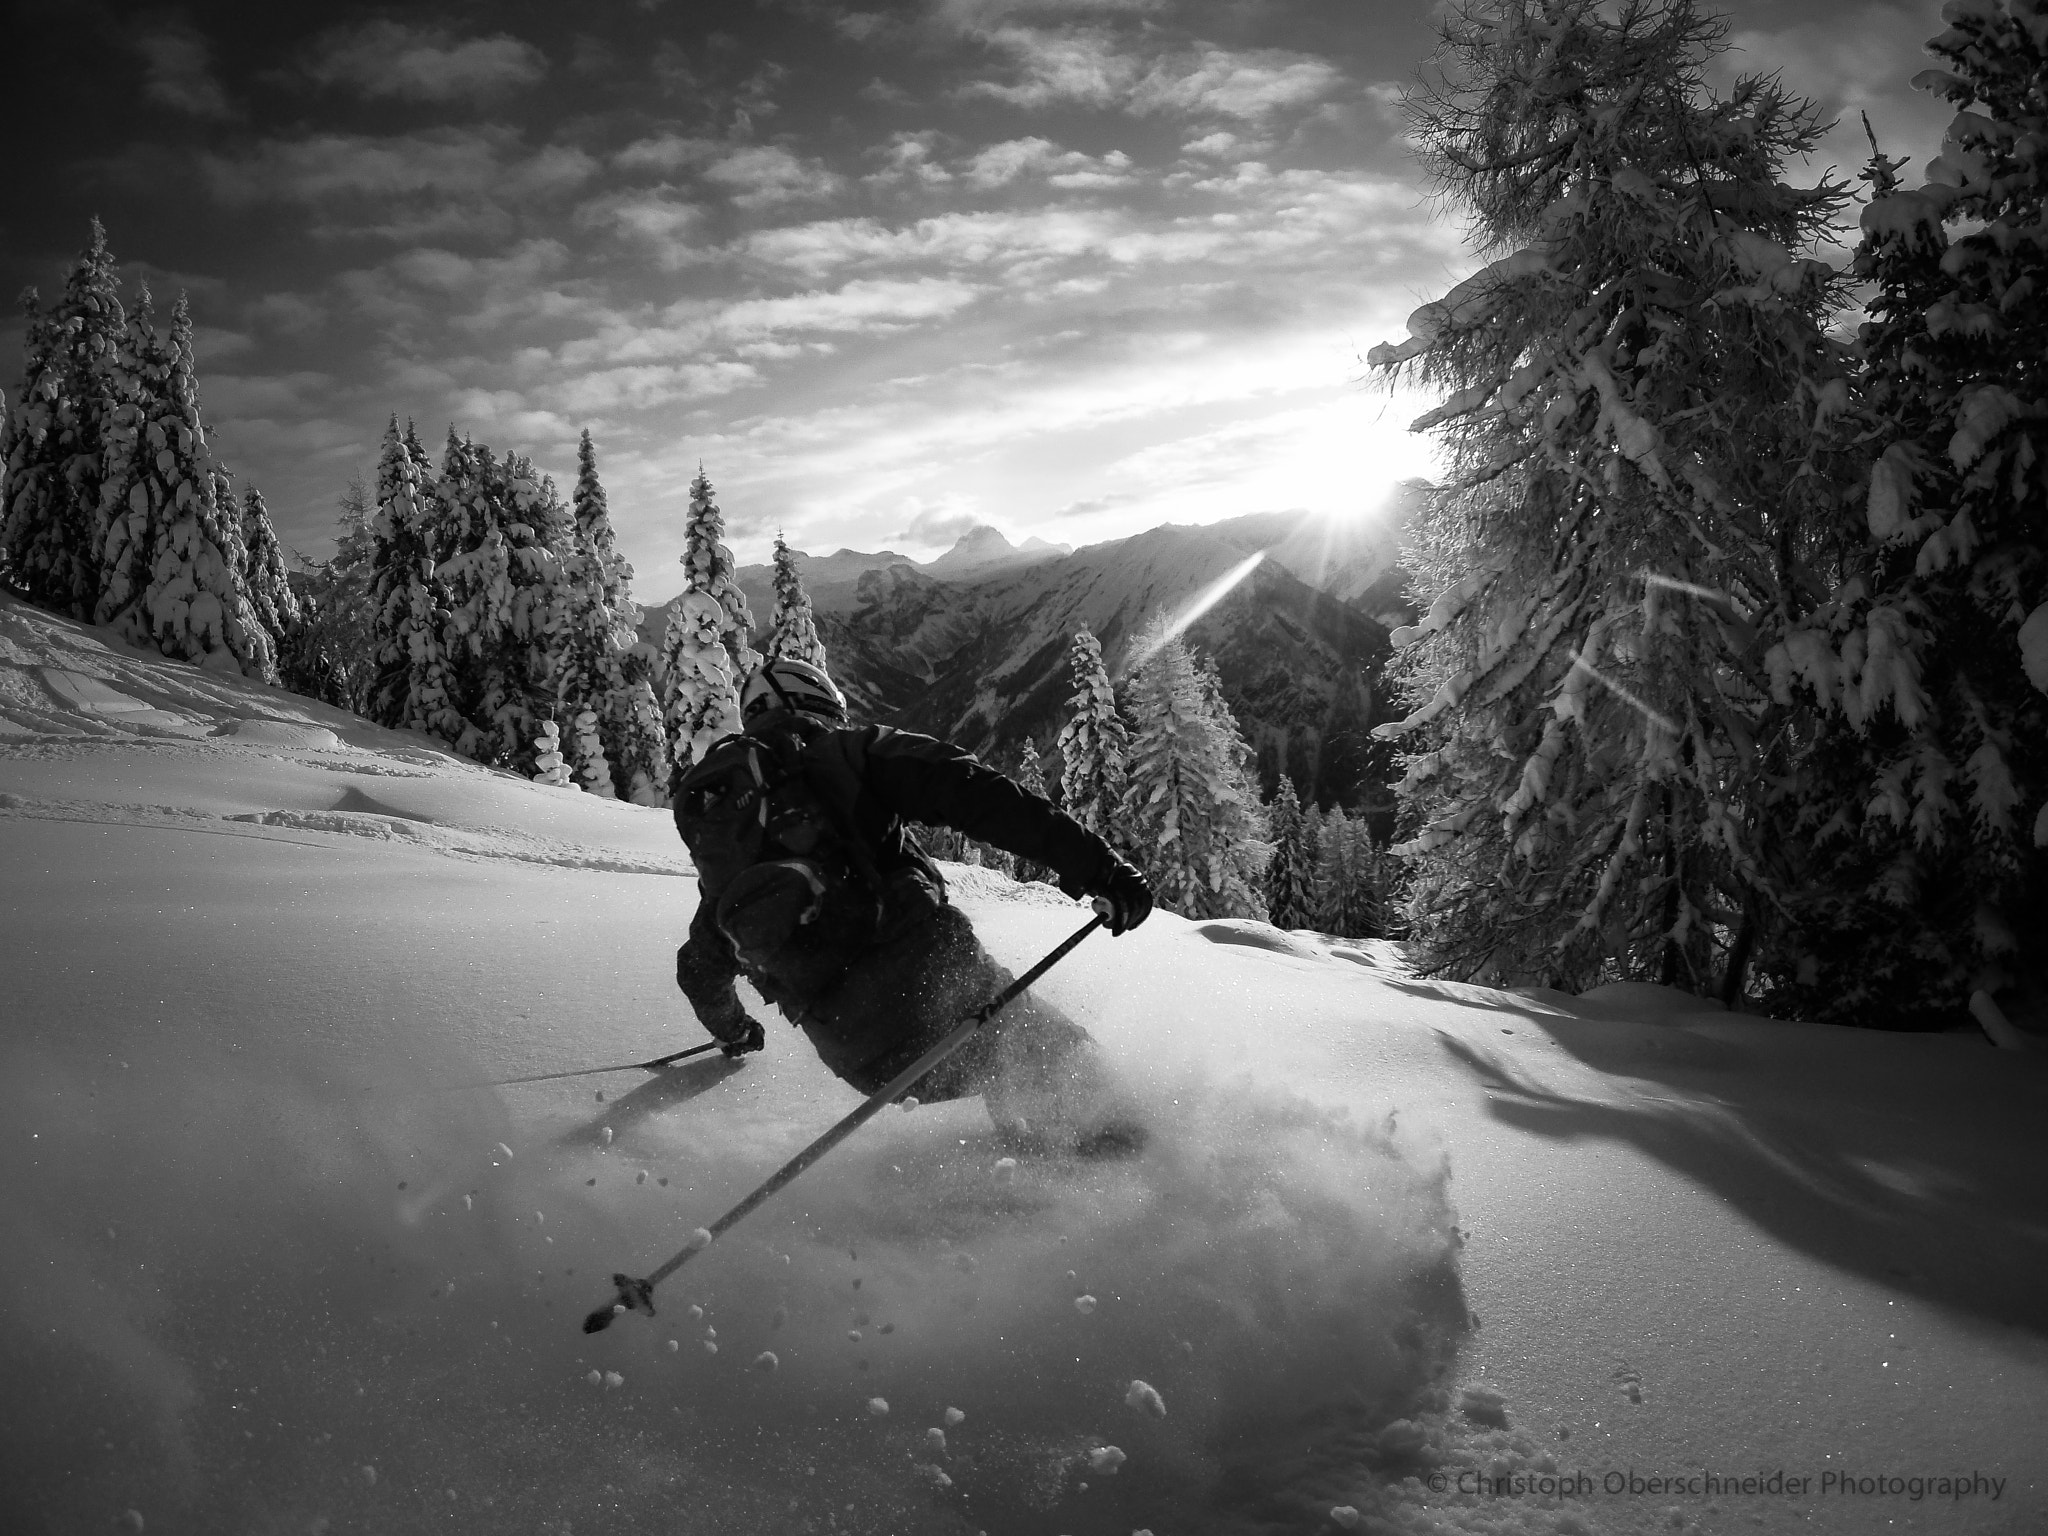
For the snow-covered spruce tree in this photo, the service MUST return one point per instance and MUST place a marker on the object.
(1935, 653)
(503, 583)
(1640, 501)
(1291, 871)
(1179, 810)
(172, 556)
(792, 631)
(52, 520)
(594, 624)
(263, 572)
(702, 689)
(416, 687)
(1094, 746)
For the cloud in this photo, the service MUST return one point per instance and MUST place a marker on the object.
(907, 157)
(178, 71)
(766, 174)
(1248, 86)
(423, 63)
(665, 152)
(1092, 66)
(1079, 64)
(648, 386)
(862, 305)
(658, 218)
(940, 526)
(1000, 164)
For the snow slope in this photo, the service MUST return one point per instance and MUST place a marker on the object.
(266, 1266)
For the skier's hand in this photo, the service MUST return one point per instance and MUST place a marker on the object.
(750, 1038)
(1124, 897)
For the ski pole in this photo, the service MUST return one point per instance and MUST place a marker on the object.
(628, 1066)
(637, 1295)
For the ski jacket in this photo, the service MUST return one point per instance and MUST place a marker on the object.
(871, 780)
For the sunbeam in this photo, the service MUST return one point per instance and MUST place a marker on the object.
(1198, 605)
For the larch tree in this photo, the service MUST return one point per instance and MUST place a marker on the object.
(1934, 653)
(792, 630)
(1093, 745)
(1641, 501)
(52, 503)
(706, 652)
(172, 555)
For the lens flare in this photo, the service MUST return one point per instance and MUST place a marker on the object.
(1198, 605)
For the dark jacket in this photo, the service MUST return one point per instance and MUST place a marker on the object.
(872, 780)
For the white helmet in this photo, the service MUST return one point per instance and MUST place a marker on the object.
(786, 683)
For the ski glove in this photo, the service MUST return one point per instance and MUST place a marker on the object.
(752, 1038)
(1129, 895)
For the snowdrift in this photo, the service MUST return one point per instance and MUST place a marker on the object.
(269, 1262)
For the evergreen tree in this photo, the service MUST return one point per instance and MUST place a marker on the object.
(596, 632)
(504, 600)
(705, 653)
(792, 632)
(1348, 877)
(330, 654)
(1240, 821)
(1094, 747)
(1641, 502)
(52, 501)
(173, 556)
(1932, 663)
(1291, 872)
(1181, 807)
(263, 572)
(415, 687)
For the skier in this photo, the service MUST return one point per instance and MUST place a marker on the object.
(810, 886)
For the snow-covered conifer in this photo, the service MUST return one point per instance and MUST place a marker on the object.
(546, 754)
(1030, 778)
(793, 631)
(594, 628)
(1291, 872)
(416, 686)
(173, 556)
(1640, 502)
(52, 514)
(504, 597)
(1348, 878)
(711, 615)
(1185, 826)
(1932, 828)
(1093, 745)
(263, 574)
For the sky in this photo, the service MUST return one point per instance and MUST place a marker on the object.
(887, 271)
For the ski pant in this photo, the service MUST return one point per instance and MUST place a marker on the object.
(903, 996)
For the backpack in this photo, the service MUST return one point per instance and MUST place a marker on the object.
(790, 887)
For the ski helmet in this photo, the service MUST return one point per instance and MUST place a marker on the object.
(786, 683)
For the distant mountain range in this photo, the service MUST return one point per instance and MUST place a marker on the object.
(973, 646)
